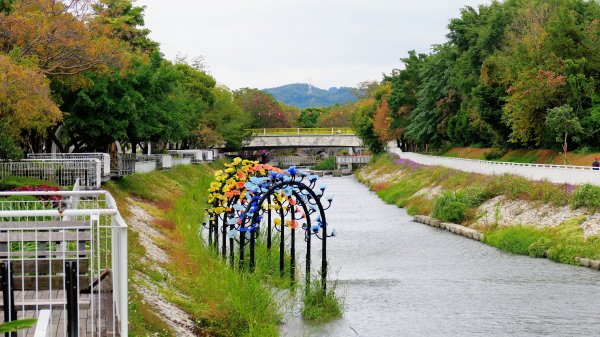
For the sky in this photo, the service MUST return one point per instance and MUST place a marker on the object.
(269, 43)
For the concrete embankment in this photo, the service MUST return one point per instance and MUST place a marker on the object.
(478, 236)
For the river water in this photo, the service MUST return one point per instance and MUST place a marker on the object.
(401, 278)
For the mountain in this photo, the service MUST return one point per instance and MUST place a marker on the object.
(303, 95)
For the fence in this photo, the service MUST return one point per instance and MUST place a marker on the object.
(163, 161)
(62, 172)
(296, 160)
(122, 164)
(560, 174)
(64, 254)
(103, 157)
(302, 131)
(194, 155)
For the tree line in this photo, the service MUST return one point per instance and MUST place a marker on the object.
(517, 73)
(84, 74)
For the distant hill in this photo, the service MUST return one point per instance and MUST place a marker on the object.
(302, 96)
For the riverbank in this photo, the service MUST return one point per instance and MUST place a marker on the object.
(178, 286)
(539, 219)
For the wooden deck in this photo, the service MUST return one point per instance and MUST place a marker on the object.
(88, 313)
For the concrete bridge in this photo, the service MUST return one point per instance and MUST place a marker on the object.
(299, 137)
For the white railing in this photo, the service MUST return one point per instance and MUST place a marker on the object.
(194, 155)
(77, 269)
(560, 174)
(181, 161)
(103, 157)
(208, 155)
(356, 159)
(163, 161)
(145, 166)
(63, 172)
(296, 160)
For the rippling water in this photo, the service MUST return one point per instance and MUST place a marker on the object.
(401, 278)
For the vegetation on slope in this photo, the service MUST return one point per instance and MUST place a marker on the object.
(221, 301)
(460, 194)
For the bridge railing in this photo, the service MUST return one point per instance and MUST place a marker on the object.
(353, 159)
(302, 131)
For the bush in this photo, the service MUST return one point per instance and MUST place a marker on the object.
(450, 206)
(326, 164)
(540, 247)
(586, 196)
(494, 154)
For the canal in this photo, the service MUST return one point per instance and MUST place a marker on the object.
(401, 278)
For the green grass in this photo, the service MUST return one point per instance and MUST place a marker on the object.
(325, 164)
(10, 183)
(561, 244)
(222, 301)
(319, 307)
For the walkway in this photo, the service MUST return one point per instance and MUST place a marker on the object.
(559, 174)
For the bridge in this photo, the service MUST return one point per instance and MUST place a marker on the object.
(302, 137)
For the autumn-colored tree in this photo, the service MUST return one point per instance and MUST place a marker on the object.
(25, 100)
(338, 116)
(61, 37)
(266, 112)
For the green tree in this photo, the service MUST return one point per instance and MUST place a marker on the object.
(310, 117)
(564, 123)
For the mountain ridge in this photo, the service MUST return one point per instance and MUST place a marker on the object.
(304, 95)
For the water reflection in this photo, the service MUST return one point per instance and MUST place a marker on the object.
(401, 278)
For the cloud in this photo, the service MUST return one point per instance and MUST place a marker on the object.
(266, 43)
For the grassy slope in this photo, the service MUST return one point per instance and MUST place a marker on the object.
(463, 192)
(525, 156)
(222, 301)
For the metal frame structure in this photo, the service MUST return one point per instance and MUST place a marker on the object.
(163, 161)
(293, 199)
(63, 172)
(103, 157)
(69, 249)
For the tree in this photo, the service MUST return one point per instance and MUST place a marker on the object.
(564, 123)
(309, 117)
(25, 99)
(266, 112)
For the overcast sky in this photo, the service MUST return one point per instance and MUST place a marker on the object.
(268, 43)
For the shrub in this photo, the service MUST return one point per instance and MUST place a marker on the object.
(586, 196)
(540, 247)
(494, 154)
(326, 164)
(450, 206)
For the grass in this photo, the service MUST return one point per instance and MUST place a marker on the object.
(222, 301)
(318, 307)
(10, 183)
(561, 244)
(461, 194)
(325, 164)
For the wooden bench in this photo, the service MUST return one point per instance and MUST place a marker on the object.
(50, 259)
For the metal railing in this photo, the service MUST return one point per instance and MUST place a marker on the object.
(353, 159)
(163, 161)
(296, 160)
(122, 164)
(103, 157)
(561, 174)
(302, 131)
(65, 252)
(63, 172)
(196, 156)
